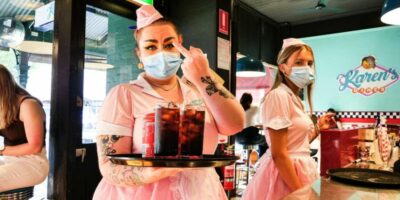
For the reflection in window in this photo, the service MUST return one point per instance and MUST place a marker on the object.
(109, 60)
(28, 60)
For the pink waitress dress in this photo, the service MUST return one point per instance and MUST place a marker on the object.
(123, 114)
(283, 109)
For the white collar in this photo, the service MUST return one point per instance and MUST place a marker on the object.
(293, 95)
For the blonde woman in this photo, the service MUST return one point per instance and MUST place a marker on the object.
(287, 166)
(23, 161)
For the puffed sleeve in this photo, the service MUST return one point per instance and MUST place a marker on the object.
(276, 110)
(116, 115)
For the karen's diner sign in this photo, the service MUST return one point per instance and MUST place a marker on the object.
(369, 78)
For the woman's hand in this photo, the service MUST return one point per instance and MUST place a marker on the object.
(325, 121)
(195, 65)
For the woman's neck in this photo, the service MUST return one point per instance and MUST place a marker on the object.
(293, 87)
(158, 82)
(169, 89)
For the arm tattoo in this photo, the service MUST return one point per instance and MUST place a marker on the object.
(120, 174)
(212, 88)
(108, 142)
(127, 174)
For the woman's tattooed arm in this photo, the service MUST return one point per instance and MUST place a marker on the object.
(108, 142)
(118, 174)
(212, 88)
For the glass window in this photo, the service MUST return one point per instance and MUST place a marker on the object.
(29, 57)
(109, 60)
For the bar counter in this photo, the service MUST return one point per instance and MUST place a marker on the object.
(338, 148)
(326, 189)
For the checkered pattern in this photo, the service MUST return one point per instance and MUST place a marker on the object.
(363, 114)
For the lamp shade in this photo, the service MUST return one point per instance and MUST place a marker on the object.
(391, 12)
(247, 67)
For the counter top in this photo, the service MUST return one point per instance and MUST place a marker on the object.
(326, 189)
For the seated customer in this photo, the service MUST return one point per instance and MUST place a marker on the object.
(329, 120)
(250, 134)
(23, 161)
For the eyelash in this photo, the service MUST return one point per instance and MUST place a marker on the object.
(169, 46)
(300, 63)
(151, 47)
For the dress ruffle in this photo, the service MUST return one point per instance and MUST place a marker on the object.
(267, 184)
(190, 184)
(185, 185)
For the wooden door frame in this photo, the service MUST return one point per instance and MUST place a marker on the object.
(66, 97)
(67, 91)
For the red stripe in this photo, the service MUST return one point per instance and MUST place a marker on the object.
(393, 121)
(358, 120)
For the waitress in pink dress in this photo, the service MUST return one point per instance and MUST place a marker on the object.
(121, 121)
(287, 166)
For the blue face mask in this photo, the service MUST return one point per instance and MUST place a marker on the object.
(301, 76)
(162, 65)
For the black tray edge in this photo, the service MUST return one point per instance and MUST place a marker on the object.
(363, 183)
(207, 161)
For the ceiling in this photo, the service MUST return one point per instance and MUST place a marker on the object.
(304, 11)
(24, 11)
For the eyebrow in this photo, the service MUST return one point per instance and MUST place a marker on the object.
(155, 41)
(168, 39)
(151, 40)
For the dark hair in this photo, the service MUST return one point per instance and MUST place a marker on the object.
(246, 100)
(331, 110)
(161, 21)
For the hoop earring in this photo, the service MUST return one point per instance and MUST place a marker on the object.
(140, 65)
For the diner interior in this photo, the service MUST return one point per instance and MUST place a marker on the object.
(69, 54)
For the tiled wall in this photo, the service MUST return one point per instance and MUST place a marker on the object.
(120, 51)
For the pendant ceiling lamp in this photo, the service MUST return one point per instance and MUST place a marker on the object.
(248, 67)
(391, 12)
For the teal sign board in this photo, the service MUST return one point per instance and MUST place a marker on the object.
(358, 70)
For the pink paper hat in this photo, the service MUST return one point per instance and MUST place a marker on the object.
(289, 42)
(146, 15)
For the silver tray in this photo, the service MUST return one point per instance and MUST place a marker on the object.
(204, 161)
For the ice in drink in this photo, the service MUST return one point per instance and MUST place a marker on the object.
(192, 131)
(166, 133)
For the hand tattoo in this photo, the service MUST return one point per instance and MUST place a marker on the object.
(212, 88)
(108, 142)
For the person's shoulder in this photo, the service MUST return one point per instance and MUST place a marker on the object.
(253, 108)
(278, 92)
(30, 102)
(30, 105)
(123, 88)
